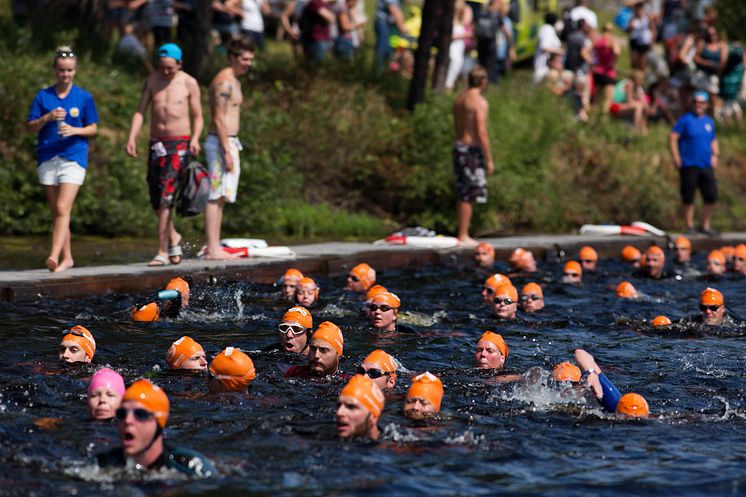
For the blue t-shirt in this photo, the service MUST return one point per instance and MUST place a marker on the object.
(695, 140)
(81, 111)
(382, 10)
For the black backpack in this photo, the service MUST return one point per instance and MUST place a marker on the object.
(194, 190)
(488, 23)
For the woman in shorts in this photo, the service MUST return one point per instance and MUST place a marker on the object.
(64, 116)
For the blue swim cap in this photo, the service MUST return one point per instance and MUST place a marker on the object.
(170, 50)
(702, 94)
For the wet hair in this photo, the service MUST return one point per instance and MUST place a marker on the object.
(550, 18)
(477, 76)
(63, 52)
(240, 44)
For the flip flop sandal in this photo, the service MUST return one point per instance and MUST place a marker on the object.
(158, 260)
(174, 254)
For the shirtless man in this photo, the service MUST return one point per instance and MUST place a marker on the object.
(222, 145)
(174, 95)
(471, 150)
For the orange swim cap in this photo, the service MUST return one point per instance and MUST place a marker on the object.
(683, 242)
(728, 251)
(532, 288)
(716, 255)
(497, 280)
(383, 360)
(181, 286)
(292, 274)
(508, 291)
(427, 386)
(148, 312)
(233, 368)
(573, 266)
(82, 337)
(362, 388)
(498, 341)
(566, 371)
(710, 296)
(626, 290)
(588, 253)
(660, 321)
(740, 251)
(152, 397)
(365, 273)
(519, 258)
(654, 250)
(387, 298)
(631, 254)
(633, 405)
(299, 315)
(181, 350)
(331, 334)
(373, 291)
(485, 246)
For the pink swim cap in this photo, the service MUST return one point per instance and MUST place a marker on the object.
(107, 378)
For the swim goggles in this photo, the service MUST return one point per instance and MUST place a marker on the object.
(139, 413)
(504, 301)
(533, 296)
(373, 373)
(489, 290)
(383, 307)
(712, 308)
(295, 329)
(353, 277)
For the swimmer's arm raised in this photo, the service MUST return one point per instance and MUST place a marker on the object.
(587, 363)
(138, 118)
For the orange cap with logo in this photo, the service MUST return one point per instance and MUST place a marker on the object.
(631, 254)
(82, 337)
(292, 274)
(626, 290)
(387, 298)
(682, 242)
(152, 397)
(373, 291)
(532, 288)
(427, 386)
(497, 280)
(484, 246)
(383, 360)
(298, 315)
(659, 321)
(716, 255)
(566, 371)
(233, 368)
(507, 291)
(365, 273)
(498, 340)
(148, 312)
(331, 334)
(365, 391)
(588, 253)
(181, 350)
(710, 296)
(633, 405)
(181, 286)
(740, 251)
(573, 266)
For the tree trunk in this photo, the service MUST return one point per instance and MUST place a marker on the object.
(197, 60)
(422, 54)
(445, 28)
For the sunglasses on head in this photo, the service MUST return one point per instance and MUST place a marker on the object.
(295, 329)
(139, 413)
(373, 373)
(711, 308)
(65, 54)
(383, 307)
(504, 301)
(353, 277)
(533, 296)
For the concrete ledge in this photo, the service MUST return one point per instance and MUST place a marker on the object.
(324, 259)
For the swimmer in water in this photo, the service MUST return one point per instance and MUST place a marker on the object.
(361, 278)
(186, 354)
(381, 368)
(491, 284)
(306, 292)
(78, 345)
(588, 258)
(359, 408)
(105, 392)
(682, 250)
(372, 292)
(626, 290)
(572, 273)
(629, 405)
(172, 307)
(739, 259)
(566, 371)
(716, 263)
(492, 352)
(655, 262)
(522, 261)
(423, 397)
(384, 311)
(288, 282)
(712, 307)
(168, 302)
(324, 351)
(141, 420)
(505, 303)
(294, 328)
(230, 371)
(484, 255)
(631, 255)
(532, 298)
(728, 251)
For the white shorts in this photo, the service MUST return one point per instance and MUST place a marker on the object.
(223, 183)
(58, 170)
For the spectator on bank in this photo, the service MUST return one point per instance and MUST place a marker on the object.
(606, 50)
(558, 80)
(131, 46)
(641, 37)
(160, 18)
(316, 22)
(581, 11)
(578, 59)
(117, 17)
(710, 58)
(506, 54)
(629, 100)
(548, 43)
(252, 20)
(457, 48)
(489, 23)
(226, 15)
(348, 29)
(731, 83)
(389, 15)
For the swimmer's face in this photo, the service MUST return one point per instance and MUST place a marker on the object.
(168, 67)
(527, 263)
(488, 294)
(305, 295)
(102, 403)
(715, 266)
(712, 317)
(484, 257)
(64, 70)
(587, 264)
(136, 435)
(384, 381)
(532, 302)
(287, 288)
(294, 342)
(196, 362)
(242, 62)
(654, 263)
(505, 307)
(418, 408)
(322, 358)
(382, 316)
(71, 352)
(353, 420)
(739, 264)
(683, 254)
(488, 356)
(354, 284)
(572, 277)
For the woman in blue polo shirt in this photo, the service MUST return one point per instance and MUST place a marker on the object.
(65, 117)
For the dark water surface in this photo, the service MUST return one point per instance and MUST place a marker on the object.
(515, 439)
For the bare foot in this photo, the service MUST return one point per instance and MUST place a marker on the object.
(220, 255)
(468, 242)
(65, 264)
(51, 264)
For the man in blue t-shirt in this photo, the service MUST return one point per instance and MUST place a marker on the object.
(695, 153)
